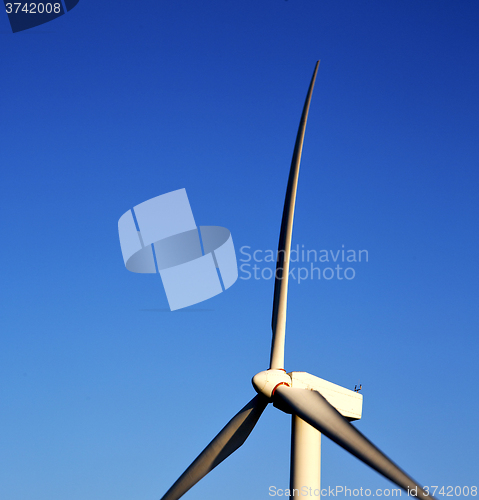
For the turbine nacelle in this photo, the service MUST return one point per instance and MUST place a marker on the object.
(348, 403)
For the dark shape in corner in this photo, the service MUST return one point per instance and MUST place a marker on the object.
(69, 4)
(28, 15)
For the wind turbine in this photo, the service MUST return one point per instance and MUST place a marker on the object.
(316, 405)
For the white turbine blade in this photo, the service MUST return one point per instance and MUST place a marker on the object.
(230, 438)
(278, 322)
(316, 411)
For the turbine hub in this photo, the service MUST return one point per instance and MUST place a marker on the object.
(265, 382)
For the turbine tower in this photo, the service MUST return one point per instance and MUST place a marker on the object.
(316, 405)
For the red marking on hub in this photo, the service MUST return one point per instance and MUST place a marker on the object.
(277, 385)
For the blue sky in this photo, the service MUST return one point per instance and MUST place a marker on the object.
(106, 394)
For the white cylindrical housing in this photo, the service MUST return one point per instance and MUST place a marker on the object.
(305, 460)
